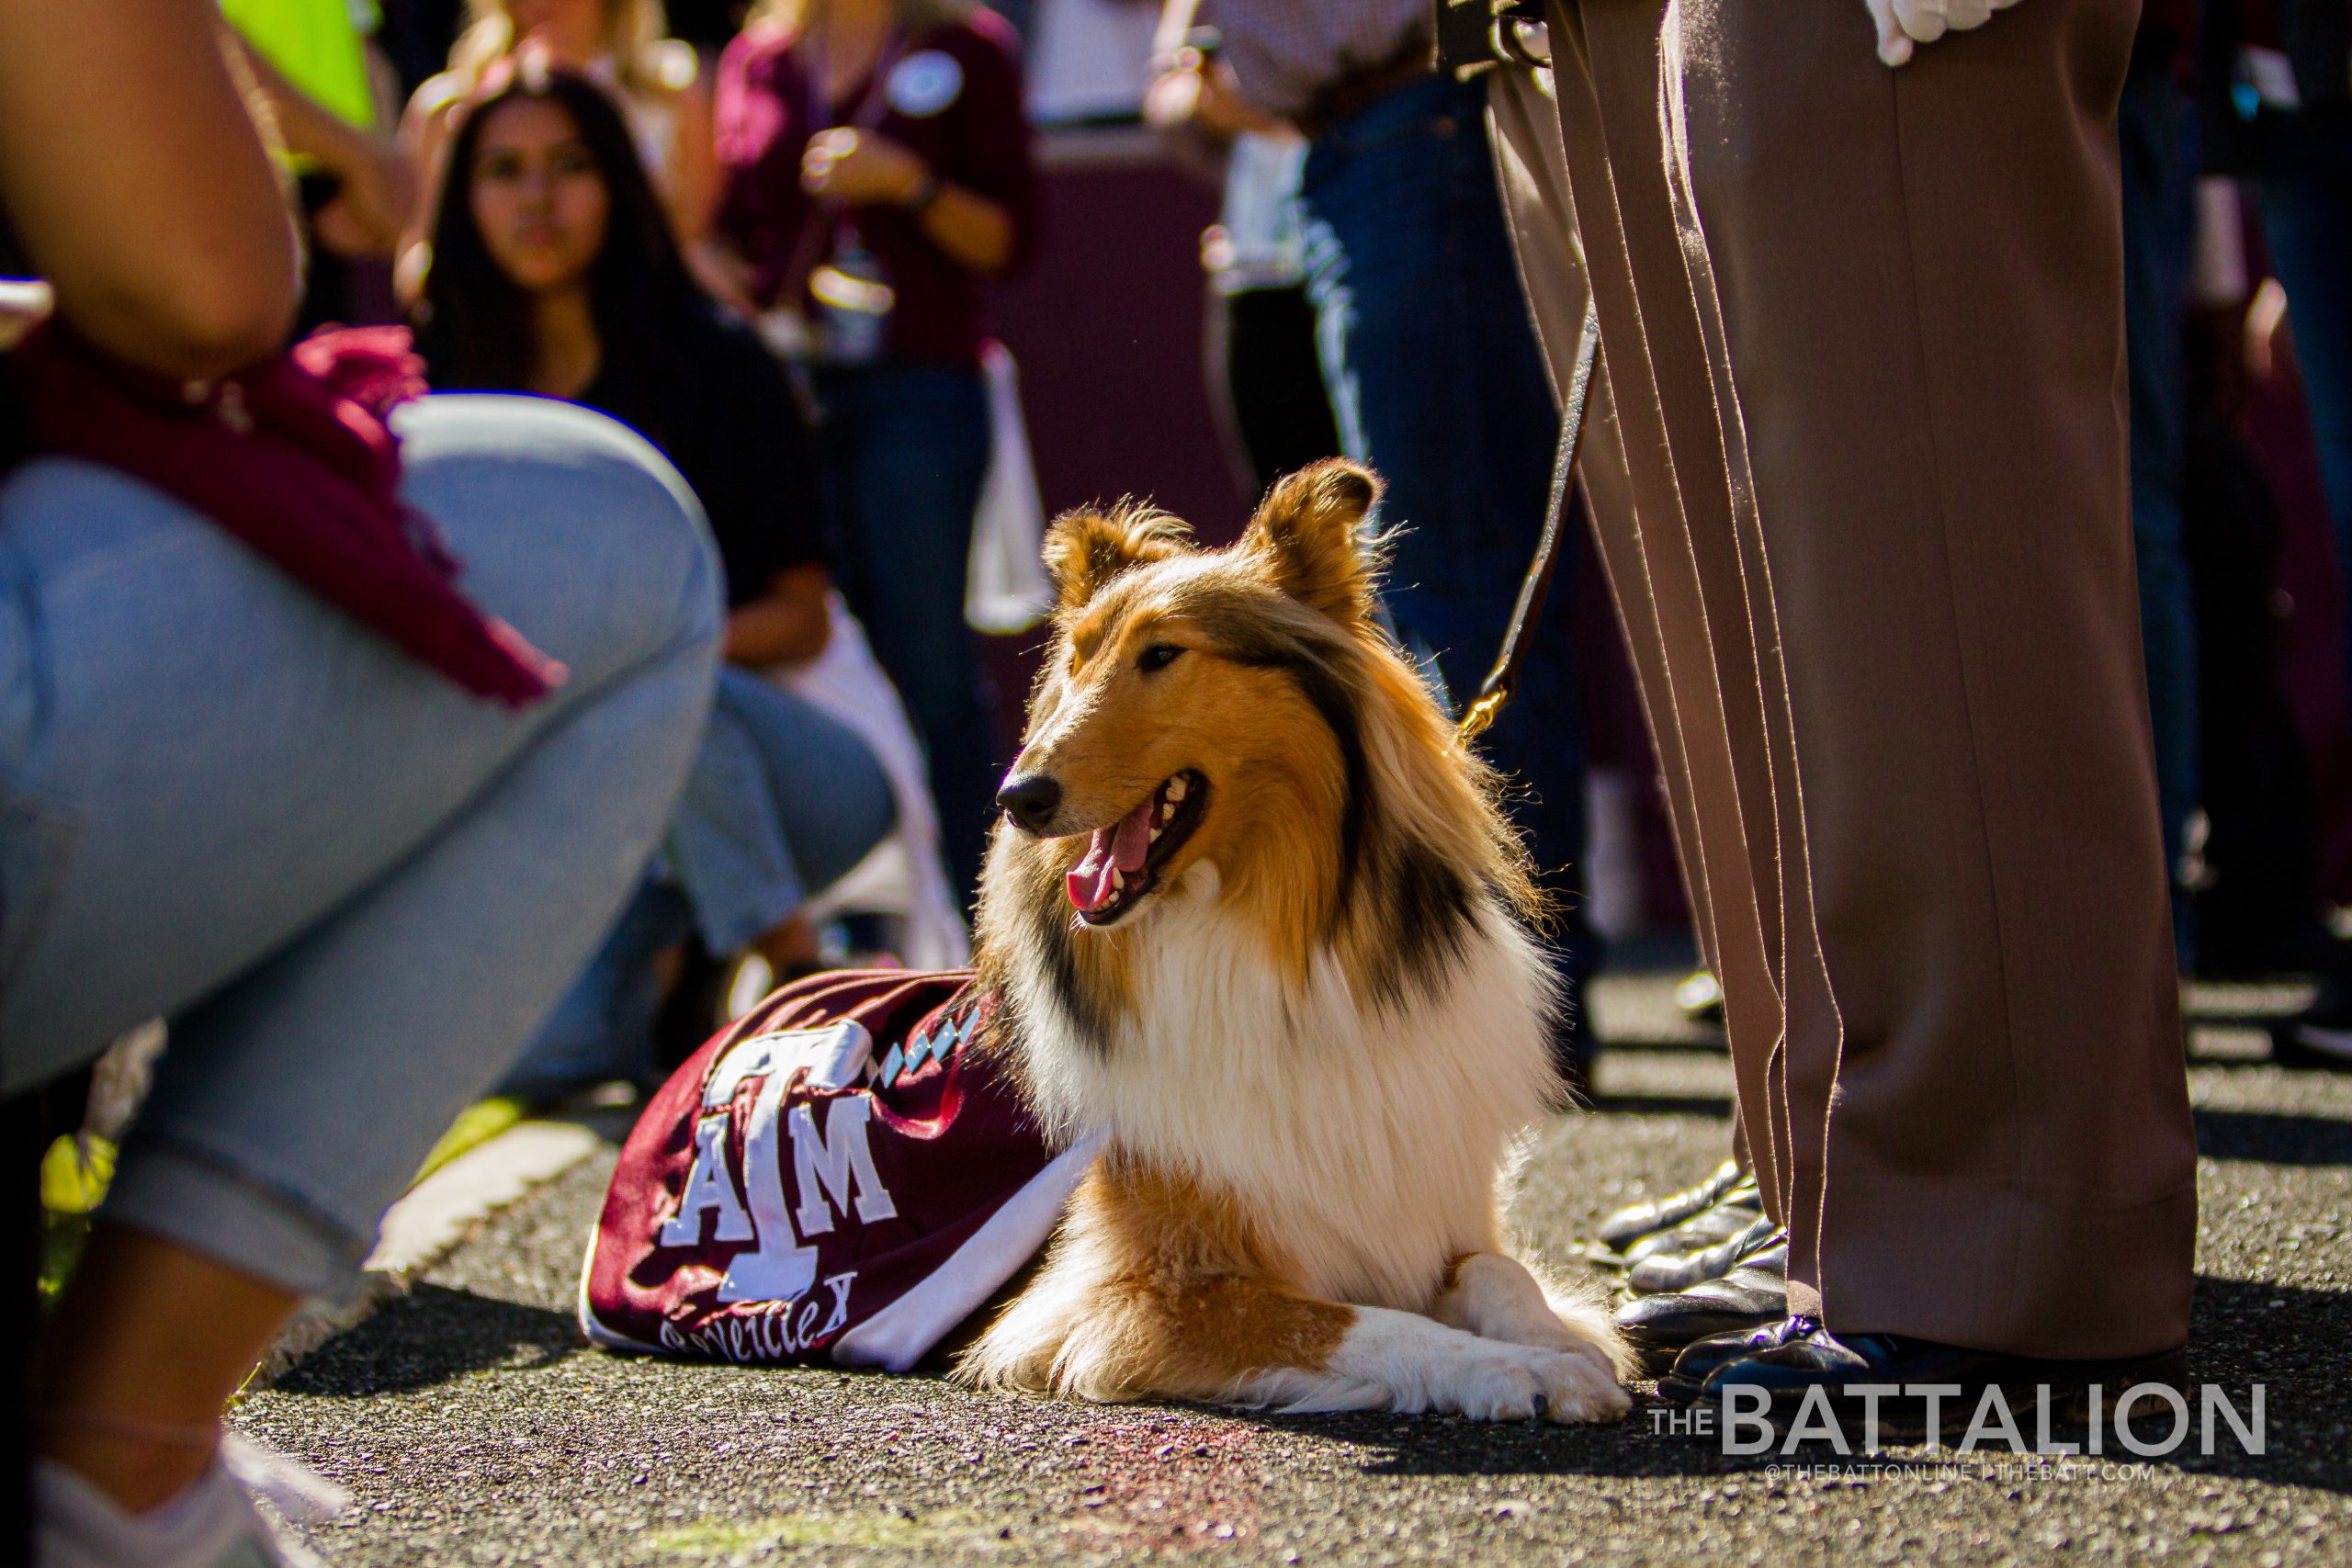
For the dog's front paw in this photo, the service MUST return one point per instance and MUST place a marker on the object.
(1520, 1384)
(1495, 1296)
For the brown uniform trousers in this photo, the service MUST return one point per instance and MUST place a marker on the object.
(1858, 475)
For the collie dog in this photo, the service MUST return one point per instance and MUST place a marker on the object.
(1256, 921)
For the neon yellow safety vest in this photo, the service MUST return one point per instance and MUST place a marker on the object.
(319, 46)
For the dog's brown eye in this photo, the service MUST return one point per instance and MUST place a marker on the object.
(1159, 655)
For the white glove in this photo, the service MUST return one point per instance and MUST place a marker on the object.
(1905, 24)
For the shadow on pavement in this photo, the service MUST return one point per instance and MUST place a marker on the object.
(432, 1336)
(1698, 1041)
(2287, 1338)
(2269, 1138)
(1717, 1106)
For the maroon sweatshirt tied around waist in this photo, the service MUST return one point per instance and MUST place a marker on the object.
(293, 458)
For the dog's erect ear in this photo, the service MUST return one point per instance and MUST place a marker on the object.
(1086, 548)
(1310, 530)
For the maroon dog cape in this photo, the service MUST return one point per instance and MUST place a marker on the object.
(837, 1177)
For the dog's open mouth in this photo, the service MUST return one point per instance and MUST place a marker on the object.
(1121, 867)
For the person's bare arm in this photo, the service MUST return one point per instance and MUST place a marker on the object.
(789, 625)
(694, 166)
(378, 196)
(864, 168)
(138, 183)
(973, 229)
(425, 131)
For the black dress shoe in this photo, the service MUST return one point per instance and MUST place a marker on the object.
(1629, 1224)
(1733, 1216)
(1752, 1296)
(1790, 1360)
(1680, 1383)
(2319, 1035)
(1669, 1273)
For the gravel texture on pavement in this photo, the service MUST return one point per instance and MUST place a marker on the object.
(474, 1425)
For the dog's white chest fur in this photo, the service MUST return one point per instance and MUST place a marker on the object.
(1365, 1143)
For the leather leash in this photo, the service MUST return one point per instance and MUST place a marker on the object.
(1502, 681)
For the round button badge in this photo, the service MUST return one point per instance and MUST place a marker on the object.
(923, 85)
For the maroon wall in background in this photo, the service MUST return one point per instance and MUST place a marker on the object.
(1106, 326)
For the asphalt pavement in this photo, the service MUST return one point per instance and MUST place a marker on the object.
(473, 1425)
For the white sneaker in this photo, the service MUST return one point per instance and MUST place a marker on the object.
(213, 1524)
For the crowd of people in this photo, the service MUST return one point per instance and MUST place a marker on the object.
(769, 263)
(1941, 708)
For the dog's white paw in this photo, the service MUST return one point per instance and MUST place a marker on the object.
(1511, 1382)
(1423, 1365)
(1495, 1296)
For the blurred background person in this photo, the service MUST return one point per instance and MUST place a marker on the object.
(317, 66)
(353, 885)
(2291, 84)
(1433, 373)
(2156, 127)
(2257, 905)
(876, 171)
(1265, 374)
(657, 80)
(1263, 366)
(554, 273)
(2276, 77)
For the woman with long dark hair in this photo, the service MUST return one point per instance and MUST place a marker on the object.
(553, 271)
(656, 81)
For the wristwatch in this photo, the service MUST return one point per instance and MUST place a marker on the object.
(925, 191)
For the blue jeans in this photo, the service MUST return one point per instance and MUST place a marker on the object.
(352, 888)
(2304, 164)
(783, 800)
(1437, 381)
(2156, 124)
(906, 448)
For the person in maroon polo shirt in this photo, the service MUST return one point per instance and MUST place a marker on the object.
(876, 169)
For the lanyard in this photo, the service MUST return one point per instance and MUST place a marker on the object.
(826, 220)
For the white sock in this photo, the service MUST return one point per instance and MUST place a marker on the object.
(211, 1524)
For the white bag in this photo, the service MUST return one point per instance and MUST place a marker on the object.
(905, 873)
(1005, 588)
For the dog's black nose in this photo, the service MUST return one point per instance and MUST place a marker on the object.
(1031, 801)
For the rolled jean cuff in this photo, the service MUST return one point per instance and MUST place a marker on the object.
(201, 1202)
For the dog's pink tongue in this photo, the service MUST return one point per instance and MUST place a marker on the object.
(1120, 849)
